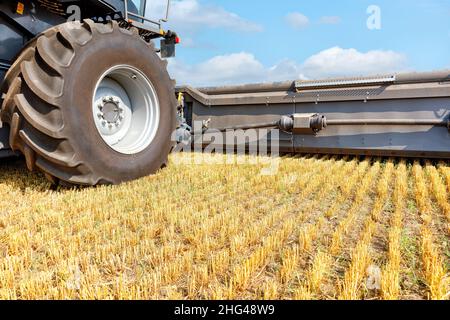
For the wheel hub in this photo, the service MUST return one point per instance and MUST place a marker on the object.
(110, 111)
(111, 115)
(126, 109)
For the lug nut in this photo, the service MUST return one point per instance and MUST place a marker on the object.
(100, 115)
(104, 123)
(111, 99)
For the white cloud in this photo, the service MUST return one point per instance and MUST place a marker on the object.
(189, 43)
(297, 20)
(189, 15)
(239, 68)
(335, 62)
(330, 20)
(226, 69)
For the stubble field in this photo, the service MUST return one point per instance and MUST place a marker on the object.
(323, 227)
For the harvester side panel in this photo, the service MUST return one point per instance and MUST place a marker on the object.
(407, 117)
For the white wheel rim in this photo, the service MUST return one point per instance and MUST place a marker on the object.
(126, 110)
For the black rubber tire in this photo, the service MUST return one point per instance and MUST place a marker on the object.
(48, 100)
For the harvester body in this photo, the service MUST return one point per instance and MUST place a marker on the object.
(21, 21)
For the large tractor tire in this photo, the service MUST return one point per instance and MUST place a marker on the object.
(89, 104)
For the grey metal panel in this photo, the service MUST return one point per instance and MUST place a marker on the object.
(383, 92)
(400, 78)
(285, 142)
(249, 88)
(386, 140)
(413, 140)
(428, 101)
(424, 108)
(233, 116)
(421, 77)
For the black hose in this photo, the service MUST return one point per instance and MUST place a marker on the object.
(273, 124)
(286, 123)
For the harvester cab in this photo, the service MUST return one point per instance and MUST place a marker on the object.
(85, 96)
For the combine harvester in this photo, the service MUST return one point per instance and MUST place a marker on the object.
(92, 103)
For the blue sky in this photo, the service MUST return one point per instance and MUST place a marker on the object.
(257, 41)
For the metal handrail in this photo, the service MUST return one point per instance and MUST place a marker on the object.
(167, 12)
(142, 18)
(4, 66)
(157, 23)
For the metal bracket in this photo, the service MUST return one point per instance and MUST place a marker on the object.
(308, 123)
(303, 123)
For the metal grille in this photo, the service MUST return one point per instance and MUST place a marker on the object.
(342, 93)
(52, 6)
(344, 82)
